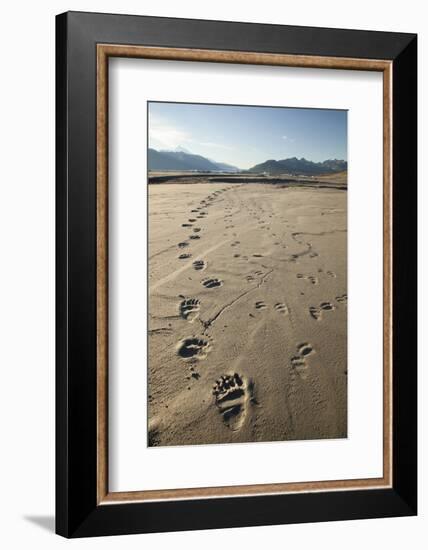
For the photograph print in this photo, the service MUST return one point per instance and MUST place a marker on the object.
(247, 274)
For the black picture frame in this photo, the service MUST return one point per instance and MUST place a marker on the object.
(77, 512)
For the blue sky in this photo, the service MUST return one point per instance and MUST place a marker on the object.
(245, 136)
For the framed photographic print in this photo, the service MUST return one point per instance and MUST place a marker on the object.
(236, 274)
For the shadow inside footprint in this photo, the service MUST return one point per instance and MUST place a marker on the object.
(298, 362)
(189, 309)
(193, 348)
(316, 312)
(343, 299)
(212, 283)
(281, 308)
(199, 265)
(304, 349)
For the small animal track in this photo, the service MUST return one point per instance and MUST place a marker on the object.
(316, 312)
(199, 265)
(194, 237)
(193, 348)
(260, 305)
(184, 256)
(212, 283)
(281, 308)
(232, 395)
(186, 225)
(343, 299)
(189, 309)
(298, 362)
(183, 244)
(311, 278)
(196, 229)
(331, 274)
(304, 349)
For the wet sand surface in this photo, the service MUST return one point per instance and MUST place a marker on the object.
(247, 313)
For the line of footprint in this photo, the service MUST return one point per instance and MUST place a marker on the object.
(232, 393)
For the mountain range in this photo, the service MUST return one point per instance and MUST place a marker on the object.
(295, 166)
(182, 160)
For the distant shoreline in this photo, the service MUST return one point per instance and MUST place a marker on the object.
(336, 181)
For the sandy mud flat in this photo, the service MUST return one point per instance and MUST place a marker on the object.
(247, 313)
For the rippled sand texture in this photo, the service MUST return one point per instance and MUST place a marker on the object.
(247, 313)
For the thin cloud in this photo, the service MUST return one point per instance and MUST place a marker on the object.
(166, 136)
